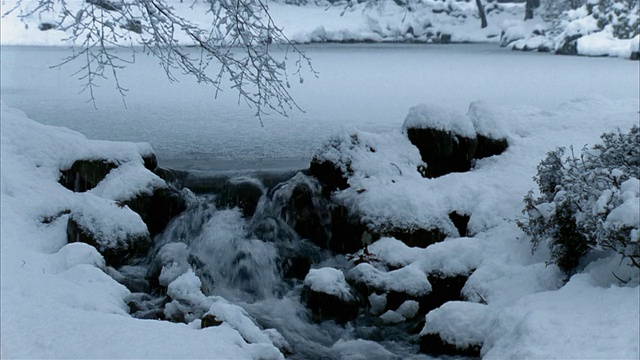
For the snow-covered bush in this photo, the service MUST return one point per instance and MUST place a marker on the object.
(588, 202)
(621, 15)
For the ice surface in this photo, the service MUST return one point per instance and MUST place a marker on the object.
(191, 130)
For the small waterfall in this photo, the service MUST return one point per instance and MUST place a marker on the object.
(258, 262)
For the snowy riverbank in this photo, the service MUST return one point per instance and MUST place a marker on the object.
(430, 21)
(58, 301)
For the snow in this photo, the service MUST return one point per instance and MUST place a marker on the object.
(410, 279)
(111, 225)
(128, 181)
(392, 317)
(603, 43)
(58, 302)
(385, 21)
(628, 213)
(566, 321)
(440, 118)
(516, 285)
(408, 309)
(462, 324)
(378, 303)
(329, 281)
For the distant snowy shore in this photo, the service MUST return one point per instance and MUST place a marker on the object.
(427, 22)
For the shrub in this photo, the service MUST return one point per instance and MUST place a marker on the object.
(588, 203)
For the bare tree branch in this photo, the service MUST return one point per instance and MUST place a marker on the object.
(239, 39)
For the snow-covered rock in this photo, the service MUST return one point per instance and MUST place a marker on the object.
(328, 294)
(457, 328)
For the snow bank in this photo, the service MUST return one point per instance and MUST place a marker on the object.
(603, 43)
(578, 321)
(386, 21)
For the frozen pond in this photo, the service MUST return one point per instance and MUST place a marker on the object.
(370, 87)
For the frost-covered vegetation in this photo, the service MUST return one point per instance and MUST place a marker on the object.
(591, 28)
(588, 202)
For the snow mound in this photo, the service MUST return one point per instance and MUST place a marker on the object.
(460, 323)
(441, 118)
(329, 281)
(544, 318)
(410, 279)
(128, 181)
(111, 226)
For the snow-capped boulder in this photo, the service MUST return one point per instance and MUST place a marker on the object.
(144, 192)
(329, 296)
(449, 141)
(457, 328)
(84, 175)
(118, 233)
(446, 140)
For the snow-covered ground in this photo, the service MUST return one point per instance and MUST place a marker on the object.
(57, 301)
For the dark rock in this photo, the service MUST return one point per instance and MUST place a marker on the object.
(569, 46)
(176, 178)
(150, 161)
(346, 231)
(489, 147)
(445, 38)
(243, 192)
(297, 258)
(115, 254)
(329, 174)
(296, 267)
(417, 237)
(460, 221)
(443, 151)
(85, 174)
(443, 289)
(304, 212)
(330, 307)
(433, 344)
(635, 55)
(145, 306)
(210, 320)
(158, 209)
